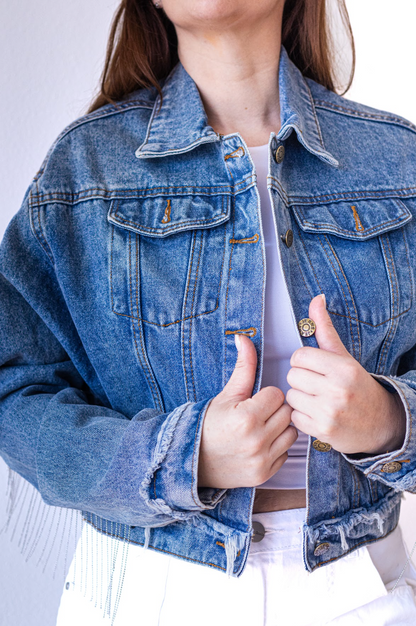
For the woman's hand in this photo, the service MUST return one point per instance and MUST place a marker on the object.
(336, 400)
(244, 439)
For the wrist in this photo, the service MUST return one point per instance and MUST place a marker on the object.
(395, 417)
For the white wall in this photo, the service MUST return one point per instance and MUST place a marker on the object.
(51, 53)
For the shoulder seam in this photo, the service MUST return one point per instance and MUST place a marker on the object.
(90, 117)
(376, 117)
(38, 232)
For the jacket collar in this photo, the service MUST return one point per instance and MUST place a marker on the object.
(180, 123)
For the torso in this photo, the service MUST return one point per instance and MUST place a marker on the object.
(267, 500)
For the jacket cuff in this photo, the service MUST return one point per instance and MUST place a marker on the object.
(174, 479)
(396, 468)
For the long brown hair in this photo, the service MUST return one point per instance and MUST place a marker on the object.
(142, 47)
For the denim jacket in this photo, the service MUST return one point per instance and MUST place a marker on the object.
(137, 255)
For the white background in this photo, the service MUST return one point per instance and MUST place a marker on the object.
(51, 54)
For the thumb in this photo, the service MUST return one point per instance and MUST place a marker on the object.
(325, 333)
(241, 383)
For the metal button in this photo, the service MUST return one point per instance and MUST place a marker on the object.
(321, 446)
(392, 467)
(67, 586)
(279, 154)
(287, 238)
(321, 549)
(258, 532)
(306, 327)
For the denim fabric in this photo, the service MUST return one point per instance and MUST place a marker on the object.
(138, 254)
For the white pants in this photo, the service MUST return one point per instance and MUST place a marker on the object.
(274, 589)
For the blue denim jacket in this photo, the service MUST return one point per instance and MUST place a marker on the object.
(137, 255)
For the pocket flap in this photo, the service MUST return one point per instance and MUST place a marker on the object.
(360, 219)
(161, 216)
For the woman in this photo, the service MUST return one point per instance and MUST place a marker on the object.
(137, 269)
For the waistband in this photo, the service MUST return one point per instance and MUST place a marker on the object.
(283, 530)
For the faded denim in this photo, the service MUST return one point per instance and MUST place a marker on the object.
(138, 254)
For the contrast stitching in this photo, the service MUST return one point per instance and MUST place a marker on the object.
(39, 234)
(314, 114)
(184, 319)
(385, 346)
(322, 104)
(358, 225)
(220, 543)
(308, 257)
(343, 293)
(191, 263)
(111, 266)
(253, 239)
(144, 368)
(355, 472)
(236, 154)
(408, 265)
(250, 332)
(350, 195)
(180, 226)
(147, 363)
(99, 192)
(139, 543)
(351, 296)
(354, 478)
(192, 309)
(301, 273)
(368, 323)
(335, 228)
(134, 329)
(135, 193)
(228, 286)
(334, 558)
(393, 283)
(166, 217)
(373, 493)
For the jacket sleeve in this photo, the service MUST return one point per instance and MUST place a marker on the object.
(61, 433)
(396, 468)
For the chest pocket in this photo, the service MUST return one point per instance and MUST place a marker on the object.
(167, 256)
(357, 254)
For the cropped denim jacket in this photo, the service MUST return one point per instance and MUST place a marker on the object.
(136, 257)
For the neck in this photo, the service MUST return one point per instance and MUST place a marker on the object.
(236, 72)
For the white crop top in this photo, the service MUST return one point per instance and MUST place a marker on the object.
(281, 336)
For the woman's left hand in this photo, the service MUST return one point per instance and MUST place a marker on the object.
(336, 400)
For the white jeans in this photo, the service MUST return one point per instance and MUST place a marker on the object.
(274, 589)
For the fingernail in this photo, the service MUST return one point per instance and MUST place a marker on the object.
(237, 340)
(323, 298)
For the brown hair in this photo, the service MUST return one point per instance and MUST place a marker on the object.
(142, 47)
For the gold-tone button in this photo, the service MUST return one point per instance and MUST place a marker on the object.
(321, 549)
(321, 446)
(392, 467)
(287, 238)
(279, 154)
(306, 327)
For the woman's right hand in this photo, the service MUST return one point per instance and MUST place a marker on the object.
(245, 438)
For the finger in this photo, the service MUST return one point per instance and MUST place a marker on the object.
(278, 422)
(277, 464)
(304, 423)
(325, 333)
(241, 382)
(283, 442)
(307, 381)
(303, 402)
(316, 360)
(267, 401)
